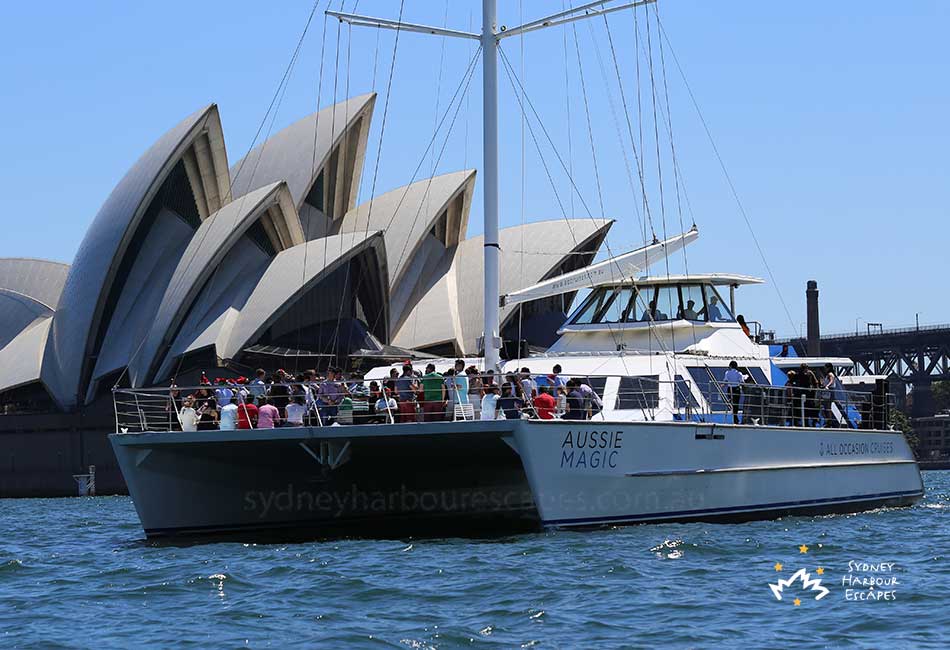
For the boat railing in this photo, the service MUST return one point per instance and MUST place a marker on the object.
(789, 405)
(590, 397)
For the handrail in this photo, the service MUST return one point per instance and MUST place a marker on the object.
(644, 398)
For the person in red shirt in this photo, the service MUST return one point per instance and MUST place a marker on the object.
(247, 415)
(544, 403)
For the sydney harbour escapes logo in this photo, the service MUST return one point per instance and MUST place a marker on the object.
(862, 582)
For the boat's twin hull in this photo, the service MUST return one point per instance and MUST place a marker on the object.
(586, 473)
(476, 476)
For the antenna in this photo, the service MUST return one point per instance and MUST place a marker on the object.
(489, 38)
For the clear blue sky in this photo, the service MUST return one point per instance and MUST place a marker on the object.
(832, 119)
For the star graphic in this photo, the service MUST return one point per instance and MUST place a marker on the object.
(778, 566)
(802, 549)
(797, 602)
(820, 571)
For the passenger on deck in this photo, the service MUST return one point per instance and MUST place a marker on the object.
(268, 416)
(229, 412)
(329, 395)
(386, 407)
(360, 395)
(474, 389)
(592, 402)
(734, 379)
(556, 379)
(828, 394)
(390, 384)
(295, 411)
(207, 410)
(807, 382)
(406, 389)
(434, 395)
(528, 385)
(561, 399)
(223, 393)
(745, 328)
(490, 402)
(247, 415)
(257, 388)
(545, 404)
(188, 416)
(510, 403)
(575, 402)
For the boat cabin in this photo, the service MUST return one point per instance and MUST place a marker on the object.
(671, 312)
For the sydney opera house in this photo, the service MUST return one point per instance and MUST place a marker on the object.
(193, 263)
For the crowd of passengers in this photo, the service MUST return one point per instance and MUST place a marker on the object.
(309, 399)
(809, 398)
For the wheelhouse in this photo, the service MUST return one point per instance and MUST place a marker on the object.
(695, 299)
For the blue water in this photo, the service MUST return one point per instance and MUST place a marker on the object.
(78, 573)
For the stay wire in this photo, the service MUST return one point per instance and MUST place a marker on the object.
(272, 110)
(725, 172)
(515, 83)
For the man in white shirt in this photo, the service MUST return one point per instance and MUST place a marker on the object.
(489, 402)
(734, 380)
(229, 414)
(188, 416)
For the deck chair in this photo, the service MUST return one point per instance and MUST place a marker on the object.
(464, 412)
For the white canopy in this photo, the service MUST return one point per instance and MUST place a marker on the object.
(621, 268)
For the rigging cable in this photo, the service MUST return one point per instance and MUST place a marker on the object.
(273, 107)
(725, 172)
(513, 79)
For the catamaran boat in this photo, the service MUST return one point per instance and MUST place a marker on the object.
(663, 446)
(674, 439)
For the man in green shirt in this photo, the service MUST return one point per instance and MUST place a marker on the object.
(433, 392)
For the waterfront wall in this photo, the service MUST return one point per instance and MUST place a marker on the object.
(40, 453)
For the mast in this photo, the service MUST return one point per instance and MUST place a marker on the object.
(492, 292)
(489, 39)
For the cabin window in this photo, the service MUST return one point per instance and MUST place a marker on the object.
(609, 305)
(594, 304)
(667, 303)
(717, 310)
(638, 393)
(682, 395)
(616, 310)
(693, 303)
(716, 394)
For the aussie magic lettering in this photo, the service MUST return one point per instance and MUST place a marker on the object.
(591, 449)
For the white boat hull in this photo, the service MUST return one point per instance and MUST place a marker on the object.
(587, 473)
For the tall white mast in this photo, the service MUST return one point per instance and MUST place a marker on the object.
(490, 164)
(489, 39)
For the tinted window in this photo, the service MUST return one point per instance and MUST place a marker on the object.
(667, 303)
(597, 384)
(692, 302)
(638, 393)
(716, 308)
(711, 392)
(682, 395)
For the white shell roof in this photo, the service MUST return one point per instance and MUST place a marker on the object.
(297, 153)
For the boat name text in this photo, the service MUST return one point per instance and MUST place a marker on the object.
(591, 449)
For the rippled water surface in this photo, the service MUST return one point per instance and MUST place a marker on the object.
(77, 572)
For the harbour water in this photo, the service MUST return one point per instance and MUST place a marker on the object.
(78, 573)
